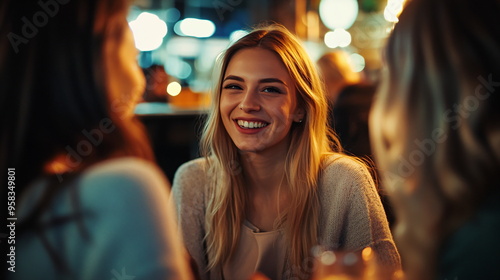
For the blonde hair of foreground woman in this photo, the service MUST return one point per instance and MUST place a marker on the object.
(311, 141)
(435, 123)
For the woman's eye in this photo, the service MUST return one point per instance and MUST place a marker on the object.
(232, 86)
(271, 89)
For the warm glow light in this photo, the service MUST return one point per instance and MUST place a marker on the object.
(338, 13)
(393, 10)
(148, 30)
(337, 38)
(200, 28)
(367, 254)
(312, 24)
(174, 88)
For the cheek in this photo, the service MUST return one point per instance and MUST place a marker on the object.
(122, 65)
(128, 84)
(283, 112)
(130, 75)
(134, 77)
(284, 115)
(225, 111)
(227, 105)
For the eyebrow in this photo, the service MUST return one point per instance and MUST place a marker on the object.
(266, 80)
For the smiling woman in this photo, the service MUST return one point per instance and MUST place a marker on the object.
(258, 102)
(274, 183)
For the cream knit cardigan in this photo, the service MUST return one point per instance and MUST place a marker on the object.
(352, 216)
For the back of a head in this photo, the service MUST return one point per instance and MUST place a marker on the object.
(337, 67)
(337, 73)
(54, 82)
(435, 122)
(157, 81)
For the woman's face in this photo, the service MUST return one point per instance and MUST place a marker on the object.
(258, 101)
(126, 81)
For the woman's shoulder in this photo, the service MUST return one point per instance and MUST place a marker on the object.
(191, 172)
(192, 166)
(343, 172)
(344, 166)
(476, 237)
(124, 169)
(191, 180)
(189, 190)
(132, 177)
(125, 166)
(131, 195)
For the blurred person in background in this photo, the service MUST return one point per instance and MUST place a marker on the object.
(156, 84)
(349, 98)
(90, 202)
(273, 182)
(435, 129)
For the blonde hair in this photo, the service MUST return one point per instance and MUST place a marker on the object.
(438, 161)
(310, 141)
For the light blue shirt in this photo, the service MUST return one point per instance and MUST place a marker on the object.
(129, 220)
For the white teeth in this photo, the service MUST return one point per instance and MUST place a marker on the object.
(247, 124)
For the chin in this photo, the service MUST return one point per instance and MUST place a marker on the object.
(249, 149)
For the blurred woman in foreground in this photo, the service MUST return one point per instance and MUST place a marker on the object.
(90, 202)
(435, 128)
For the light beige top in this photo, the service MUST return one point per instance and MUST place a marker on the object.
(257, 251)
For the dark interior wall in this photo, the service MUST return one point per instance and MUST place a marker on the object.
(174, 139)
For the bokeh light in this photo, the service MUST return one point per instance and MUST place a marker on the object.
(338, 38)
(148, 30)
(174, 88)
(236, 35)
(338, 13)
(358, 62)
(193, 27)
(393, 10)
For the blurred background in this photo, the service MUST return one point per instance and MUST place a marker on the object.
(179, 41)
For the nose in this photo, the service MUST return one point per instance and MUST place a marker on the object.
(251, 101)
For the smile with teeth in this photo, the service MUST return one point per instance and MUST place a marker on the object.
(247, 124)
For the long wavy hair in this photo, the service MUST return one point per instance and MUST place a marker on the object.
(435, 122)
(310, 142)
(55, 89)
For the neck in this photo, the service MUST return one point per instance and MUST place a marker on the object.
(263, 174)
(267, 191)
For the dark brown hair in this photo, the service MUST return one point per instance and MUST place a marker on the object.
(55, 95)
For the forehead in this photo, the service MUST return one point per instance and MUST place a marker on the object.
(257, 63)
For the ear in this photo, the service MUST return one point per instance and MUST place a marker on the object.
(299, 115)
